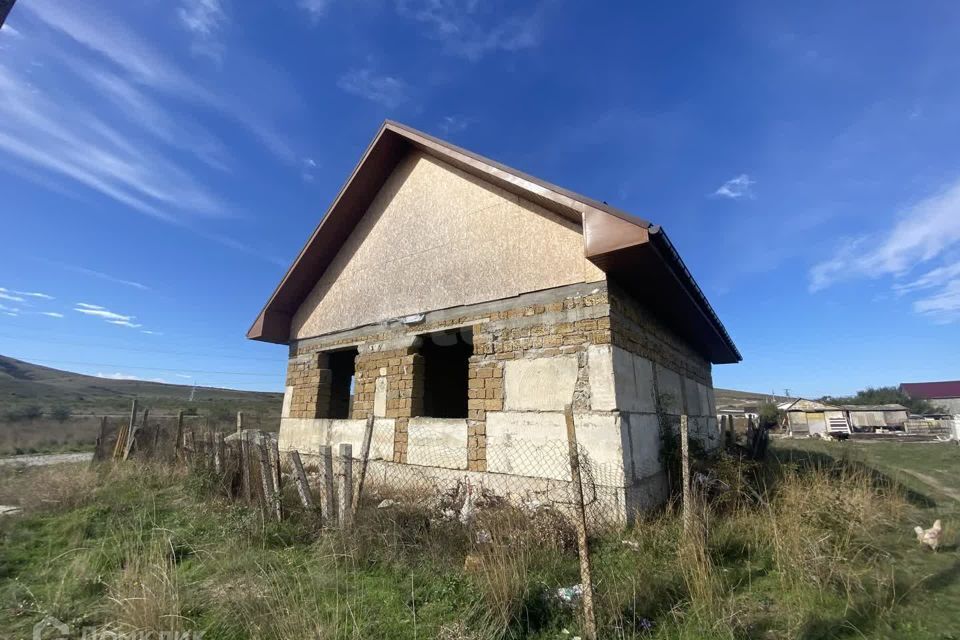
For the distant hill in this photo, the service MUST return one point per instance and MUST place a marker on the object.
(733, 399)
(23, 383)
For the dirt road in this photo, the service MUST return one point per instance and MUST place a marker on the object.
(45, 459)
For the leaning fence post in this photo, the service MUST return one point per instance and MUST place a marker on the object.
(364, 459)
(271, 498)
(178, 445)
(685, 475)
(245, 467)
(580, 522)
(345, 483)
(98, 452)
(218, 452)
(326, 496)
(134, 430)
(300, 478)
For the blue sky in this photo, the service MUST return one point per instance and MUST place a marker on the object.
(162, 162)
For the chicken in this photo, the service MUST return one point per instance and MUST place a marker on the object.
(931, 536)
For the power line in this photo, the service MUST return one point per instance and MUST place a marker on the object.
(137, 350)
(167, 369)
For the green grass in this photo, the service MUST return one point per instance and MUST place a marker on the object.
(134, 548)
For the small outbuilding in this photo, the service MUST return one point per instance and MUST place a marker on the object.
(873, 417)
(812, 418)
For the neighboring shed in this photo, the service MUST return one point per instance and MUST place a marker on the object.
(812, 418)
(463, 304)
(870, 417)
(941, 394)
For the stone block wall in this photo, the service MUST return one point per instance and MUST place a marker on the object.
(591, 345)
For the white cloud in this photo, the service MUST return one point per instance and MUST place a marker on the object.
(943, 306)
(125, 323)
(128, 376)
(183, 375)
(308, 167)
(52, 314)
(12, 314)
(102, 276)
(454, 124)
(316, 8)
(87, 305)
(390, 91)
(7, 29)
(927, 232)
(151, 333)
(102, 34)
(7, 309)
(736, 188)
(11, 298)
(472, 29)
(204, 19)
(100, 312)
(63, 138)
(29, 294)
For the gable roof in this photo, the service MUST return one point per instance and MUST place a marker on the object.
(873, 407)
(802, 404)
(932, 390)
(621, 245)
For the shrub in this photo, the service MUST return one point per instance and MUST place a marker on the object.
(61, 413)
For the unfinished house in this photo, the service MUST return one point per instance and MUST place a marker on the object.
(464, 304)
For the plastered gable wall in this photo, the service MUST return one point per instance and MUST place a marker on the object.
(435, 238)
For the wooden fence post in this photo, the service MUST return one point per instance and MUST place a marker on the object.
(580, 522)
(326, 496)
(364, 459)
(271, 498)
(300, 478)
(218, 452)
(132, 434)
(245, 468)
(239, 421)
(685, 475)
(178, 445)
(345, 484)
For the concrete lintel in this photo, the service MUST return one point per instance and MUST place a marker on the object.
(355, 336)
(401, 342)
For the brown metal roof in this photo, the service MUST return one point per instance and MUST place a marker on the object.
(932, 390)
(622, 245)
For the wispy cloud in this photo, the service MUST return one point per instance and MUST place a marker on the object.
(927, 233)
(129, 376)
(454, 124)
(309, 166)
(204, 19)
(141, 62)
(29, 294)
(52, 314)
(125, 323)
(100, 275)
(390, 91)
(736, 188)
(151, 333)
(9, 310)
(473, 29)
(315, 8)
(10, 297)
(101, 312)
